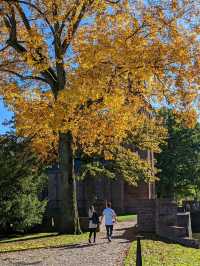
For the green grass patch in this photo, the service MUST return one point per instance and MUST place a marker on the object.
(127, 217)
(157, 253)
(41, 240)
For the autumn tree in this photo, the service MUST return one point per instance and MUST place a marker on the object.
(35, 43)
(86, 75)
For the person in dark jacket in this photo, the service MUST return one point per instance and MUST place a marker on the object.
(93, 223)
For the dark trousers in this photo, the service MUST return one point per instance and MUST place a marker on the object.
(109, 229)
(92, 231)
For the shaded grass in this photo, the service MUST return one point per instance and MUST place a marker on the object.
(42, 240)
(126, 217)
(196, 236)
(13, 238)
(157, 253)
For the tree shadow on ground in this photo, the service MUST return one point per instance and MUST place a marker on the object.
(130, 234)
(9, 239)
(27, 263)
(81, 245)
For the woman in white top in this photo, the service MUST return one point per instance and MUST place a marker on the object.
(93, 223)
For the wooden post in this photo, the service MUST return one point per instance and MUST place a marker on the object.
(139, 252)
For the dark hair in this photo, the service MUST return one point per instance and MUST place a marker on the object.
(91, 207)
(109, 204)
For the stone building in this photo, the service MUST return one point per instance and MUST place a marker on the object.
(158, 216)
(124, 198)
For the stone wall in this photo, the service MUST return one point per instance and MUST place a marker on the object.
(161, 217)
(184, 220)
(195, 217)
(171, 224)
(124, 198)
(156, 216)
(166, 217)
(146, 215)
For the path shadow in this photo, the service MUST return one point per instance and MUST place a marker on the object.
(8, 240)
(26, 263)
(130, 235)
(82, 245)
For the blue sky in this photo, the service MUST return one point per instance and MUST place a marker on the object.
(5, 114)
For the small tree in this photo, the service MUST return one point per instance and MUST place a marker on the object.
(21, 182)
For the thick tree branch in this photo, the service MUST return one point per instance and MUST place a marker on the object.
(4, 48)
(79, 14)
(113, 2)
(22, 77)
(10, 22)
(23, 16)
(64, 20)
(39, 11)
(61, 75)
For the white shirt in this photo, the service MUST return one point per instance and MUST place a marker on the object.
(109, 215)
(91, 225)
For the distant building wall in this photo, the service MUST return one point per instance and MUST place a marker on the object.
(124, 198)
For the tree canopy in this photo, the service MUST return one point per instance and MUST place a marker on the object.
(118, 63)
(179, 160)
(22, 179)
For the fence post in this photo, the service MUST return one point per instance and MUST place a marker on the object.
(138, 252)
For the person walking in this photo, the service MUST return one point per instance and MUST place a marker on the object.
(93, 223)
(110, 219)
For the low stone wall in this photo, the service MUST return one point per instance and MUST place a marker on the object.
(195, 217)
(166, 218)
(146, 216)
(161, 217)
(184, 220)
(172, 225)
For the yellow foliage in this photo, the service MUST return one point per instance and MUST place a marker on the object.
(100, 70)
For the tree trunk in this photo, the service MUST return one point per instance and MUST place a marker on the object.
(67, 216)
(65, 205)
(77, 228)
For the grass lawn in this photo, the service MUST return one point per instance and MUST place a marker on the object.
(157, 253)
(127, 217)
(40, 240)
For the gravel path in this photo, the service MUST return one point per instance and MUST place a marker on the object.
(100, 254)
